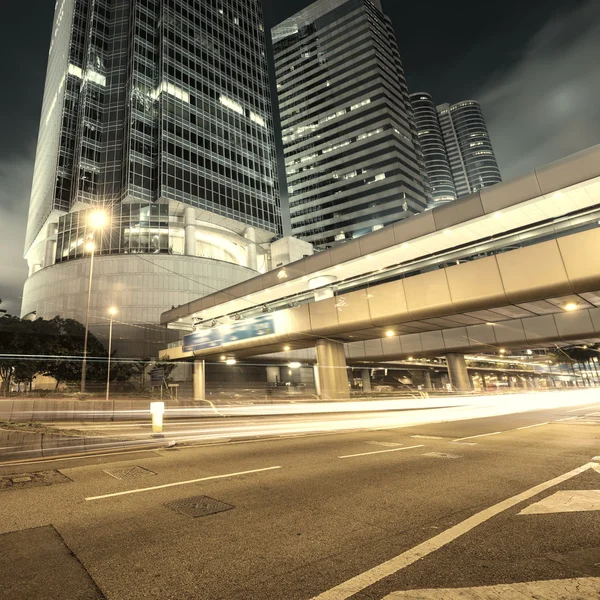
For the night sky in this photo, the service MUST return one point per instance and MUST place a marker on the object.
(534, 66)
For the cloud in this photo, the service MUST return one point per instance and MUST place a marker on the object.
(546, 106)
(15, 186)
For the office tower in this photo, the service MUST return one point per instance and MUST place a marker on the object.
(349, 138)
(158, 114)
(429, 132)
(469, 147)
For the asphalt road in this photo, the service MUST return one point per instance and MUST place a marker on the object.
(504, 506)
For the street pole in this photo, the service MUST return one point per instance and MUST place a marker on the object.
(112, 312)
(92, 247)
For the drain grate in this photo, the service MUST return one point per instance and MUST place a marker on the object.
(198, 506)
(130, 473)
(384, 444)
(441, 455)
(26, 480)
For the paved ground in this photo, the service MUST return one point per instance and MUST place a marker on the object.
(500, 507)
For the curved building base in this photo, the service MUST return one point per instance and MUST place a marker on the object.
(140, 286)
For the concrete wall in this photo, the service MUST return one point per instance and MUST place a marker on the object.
(140, 286)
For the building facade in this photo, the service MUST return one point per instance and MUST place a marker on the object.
(440, 188)
(469, 147)
(351, 152)
(158, 114)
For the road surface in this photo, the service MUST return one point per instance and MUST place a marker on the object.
(504, 506)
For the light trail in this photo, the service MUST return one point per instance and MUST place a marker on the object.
(272, 421)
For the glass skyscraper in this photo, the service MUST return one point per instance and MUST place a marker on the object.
(157, 112)
(352, 158)
(441, 188)
(469, 147)
(457, 149)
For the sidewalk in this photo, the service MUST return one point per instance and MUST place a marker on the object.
(43, 442)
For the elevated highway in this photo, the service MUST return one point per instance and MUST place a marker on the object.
(515, 265)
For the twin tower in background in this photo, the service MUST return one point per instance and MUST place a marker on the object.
(158, 113)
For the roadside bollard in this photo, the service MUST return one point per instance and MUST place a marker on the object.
(157, 410)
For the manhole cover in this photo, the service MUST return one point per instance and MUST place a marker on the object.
(441, 455)
(26, 480)
(198, 506)
(130, 473)
(384, 444)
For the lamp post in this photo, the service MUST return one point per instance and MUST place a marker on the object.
(96, 220)
(112, 311)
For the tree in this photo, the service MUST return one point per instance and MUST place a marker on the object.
(9, 327)
(67, 345)
(50, 347)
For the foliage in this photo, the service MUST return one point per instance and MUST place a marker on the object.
(47, 347)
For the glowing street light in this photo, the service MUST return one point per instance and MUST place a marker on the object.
(231, 361)
(571, 306)
(112, 311)
(98, 219)
(390, 333)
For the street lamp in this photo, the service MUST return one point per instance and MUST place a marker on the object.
(112, 311)
(96, 220)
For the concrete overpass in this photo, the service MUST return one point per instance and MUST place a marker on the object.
(515, 265)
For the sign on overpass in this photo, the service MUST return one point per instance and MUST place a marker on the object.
(223, 334)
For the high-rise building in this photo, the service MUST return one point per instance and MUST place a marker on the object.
(351, 153)
(158, 113)
(441, 186)
(469, 147)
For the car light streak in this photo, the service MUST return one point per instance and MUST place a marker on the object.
(261, 421)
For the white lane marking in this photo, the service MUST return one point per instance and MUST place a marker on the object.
(382, 451)
(472, 437)
(427, 437)
(565, 501)
(567, 419)
(536, 425)
(364, 580)
(582, 587)
(168, 485)
(582, 409)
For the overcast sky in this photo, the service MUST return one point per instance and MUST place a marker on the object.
(534, 65)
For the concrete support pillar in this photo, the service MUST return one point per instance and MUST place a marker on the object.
(512, 384)
(50, 253)
(273, 375)
(199, 380)
(365, 375)
(427, 380)
(331, 370)
(189, 221)
(458, 373)
(251, 253)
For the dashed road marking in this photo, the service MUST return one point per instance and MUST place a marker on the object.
(427, 437)
(472, 437)
(168, 485)
(536, 425)
(381, 451)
